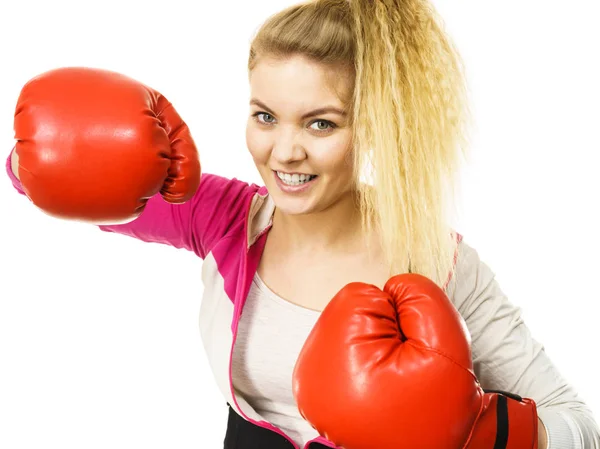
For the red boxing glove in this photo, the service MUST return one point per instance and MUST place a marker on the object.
(392, 369)
(95, 145)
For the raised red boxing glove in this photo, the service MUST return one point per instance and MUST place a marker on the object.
(95, 145)
(392, 369)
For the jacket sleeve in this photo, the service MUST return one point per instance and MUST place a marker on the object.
(506, 357)
(197, 225)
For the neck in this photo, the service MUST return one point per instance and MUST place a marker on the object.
(335, 229)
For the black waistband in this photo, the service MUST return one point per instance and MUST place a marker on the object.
(242, 434)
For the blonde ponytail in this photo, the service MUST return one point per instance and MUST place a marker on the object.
(410, 111)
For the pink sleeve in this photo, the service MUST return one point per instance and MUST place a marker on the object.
(218, 206)
(16, 183)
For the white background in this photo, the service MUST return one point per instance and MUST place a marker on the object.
(99, 339)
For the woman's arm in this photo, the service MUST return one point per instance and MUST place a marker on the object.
(196, 225)
(506, 357)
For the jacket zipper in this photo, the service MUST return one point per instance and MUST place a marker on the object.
(235, 330)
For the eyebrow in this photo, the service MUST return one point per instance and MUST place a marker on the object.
(325, 110)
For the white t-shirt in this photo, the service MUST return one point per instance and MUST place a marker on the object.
(270, 336)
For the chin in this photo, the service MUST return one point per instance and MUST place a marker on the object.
(292, 207)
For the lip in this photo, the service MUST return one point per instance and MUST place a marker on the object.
(293, 189)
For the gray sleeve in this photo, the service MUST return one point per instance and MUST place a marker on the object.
(506, 357)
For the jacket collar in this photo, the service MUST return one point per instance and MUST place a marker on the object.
(260, 215)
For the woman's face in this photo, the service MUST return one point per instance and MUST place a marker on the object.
(298, 135)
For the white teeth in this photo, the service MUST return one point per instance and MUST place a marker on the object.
(295, 179)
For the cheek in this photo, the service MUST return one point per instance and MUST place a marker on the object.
(257, 145)
(335, 159)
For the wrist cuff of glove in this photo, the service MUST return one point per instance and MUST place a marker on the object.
(508, 422)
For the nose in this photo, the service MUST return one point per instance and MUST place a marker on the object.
(288, 147)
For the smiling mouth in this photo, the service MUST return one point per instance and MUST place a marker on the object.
(295, 179)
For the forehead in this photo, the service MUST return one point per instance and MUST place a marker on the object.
(294, 81)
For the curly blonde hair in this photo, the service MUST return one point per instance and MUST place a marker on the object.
(409, 115)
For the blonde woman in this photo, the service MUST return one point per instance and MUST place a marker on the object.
(357, 124)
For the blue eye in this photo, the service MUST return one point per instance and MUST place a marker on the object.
(265, 114)
(327, 124)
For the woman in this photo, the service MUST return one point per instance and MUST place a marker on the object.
(358, 118)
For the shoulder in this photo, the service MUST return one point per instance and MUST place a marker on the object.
(229, 198)
(218, 210)
(471, 278)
